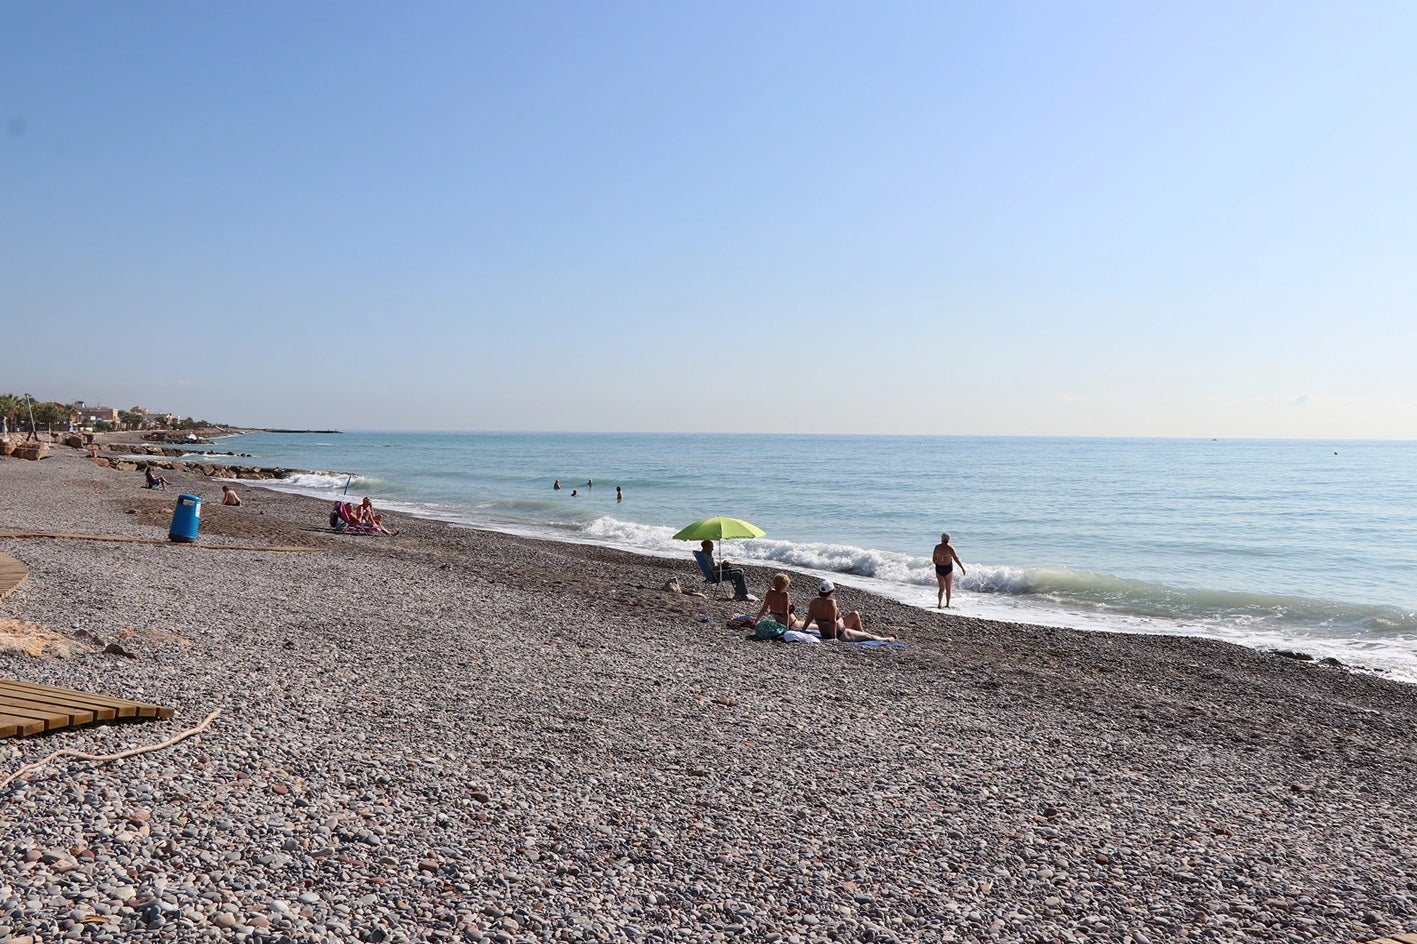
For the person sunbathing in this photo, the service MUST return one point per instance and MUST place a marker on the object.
(371, 519)
(778, 605)
(824, 613)
(153, 479)
(345, 516)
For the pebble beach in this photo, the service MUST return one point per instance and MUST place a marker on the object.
(461, 735)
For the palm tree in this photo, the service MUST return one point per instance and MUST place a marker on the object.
(50, 413)
(10, 407)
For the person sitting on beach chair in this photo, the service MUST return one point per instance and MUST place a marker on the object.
(345, 517)
(717, 573)
(153, 479)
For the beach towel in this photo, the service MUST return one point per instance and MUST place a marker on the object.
(793, 635)
(769, 629)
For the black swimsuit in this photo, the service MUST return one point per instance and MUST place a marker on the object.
(944, 570)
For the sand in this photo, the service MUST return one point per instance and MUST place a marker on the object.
(459, 735)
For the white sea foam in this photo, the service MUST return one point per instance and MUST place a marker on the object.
(628, 534)
(1076, 599)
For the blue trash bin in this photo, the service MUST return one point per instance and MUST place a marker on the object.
(186, 518)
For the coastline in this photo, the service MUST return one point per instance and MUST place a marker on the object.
(486, 727)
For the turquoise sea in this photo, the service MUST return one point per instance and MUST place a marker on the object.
(1301, 545)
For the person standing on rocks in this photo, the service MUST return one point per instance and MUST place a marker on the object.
(945, 559)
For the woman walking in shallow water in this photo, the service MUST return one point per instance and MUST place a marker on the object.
(945, 559)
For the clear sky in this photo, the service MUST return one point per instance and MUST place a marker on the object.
(1089, 218)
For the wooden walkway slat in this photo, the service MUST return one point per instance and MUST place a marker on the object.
(12, 574)
(14, 726)
(30, 708)
(118, 539)
(65, 714)
(125, 709)
(1395, 939)
(79, 704)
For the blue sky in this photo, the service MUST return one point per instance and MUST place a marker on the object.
(1008, 218)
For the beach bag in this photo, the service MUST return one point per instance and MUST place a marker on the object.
(769, 629)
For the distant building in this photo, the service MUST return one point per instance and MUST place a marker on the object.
(85, 415)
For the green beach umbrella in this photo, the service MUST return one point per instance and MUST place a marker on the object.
(716, 529)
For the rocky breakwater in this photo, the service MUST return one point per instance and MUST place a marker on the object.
(147, 455)
(146, 449)
(180, 436)
(239, 471)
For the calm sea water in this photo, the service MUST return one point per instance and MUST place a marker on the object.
(1276, 544)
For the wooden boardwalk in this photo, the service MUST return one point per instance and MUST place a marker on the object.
(12, 574)
(166, 542)
(1395, 939)
(27, 708)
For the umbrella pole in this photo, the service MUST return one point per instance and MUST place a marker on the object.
(721, 578)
